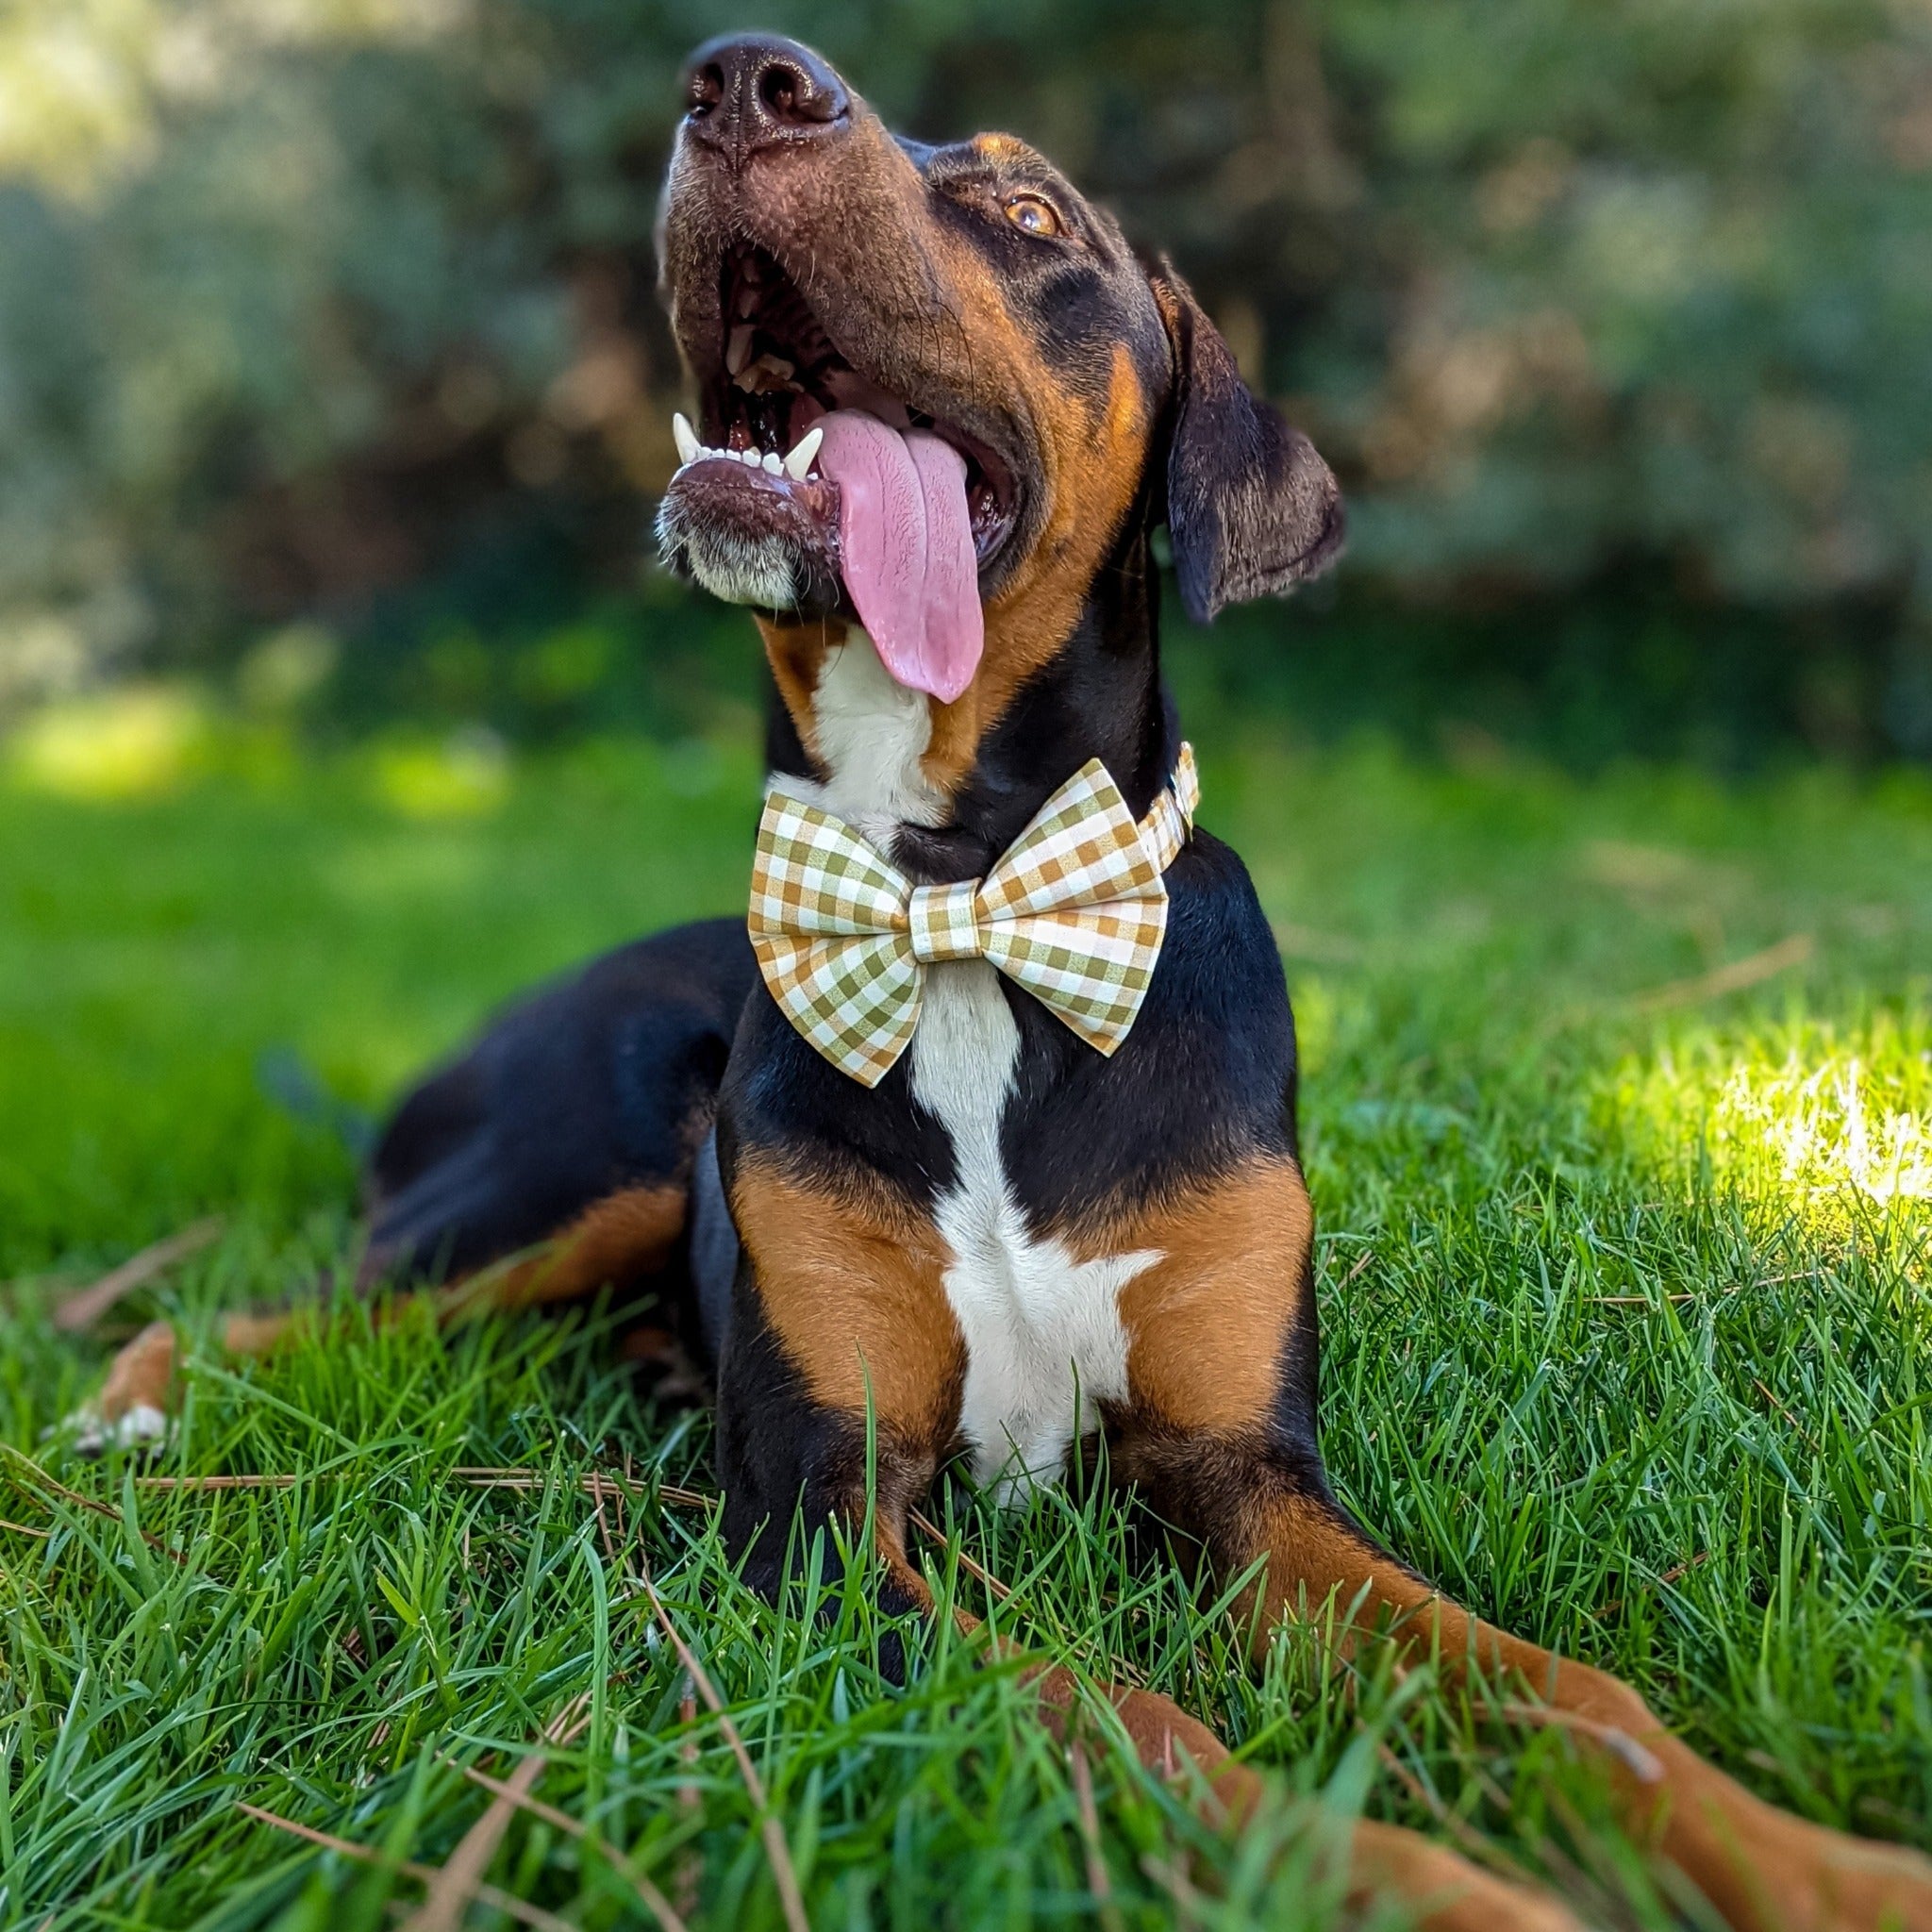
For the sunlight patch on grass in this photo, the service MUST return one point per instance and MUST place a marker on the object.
(465, 775)
(1830, 1125)
(140, 741)
(1830, 1128)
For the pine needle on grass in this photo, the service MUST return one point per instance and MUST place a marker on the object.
(29, 1477)
(517, 1908)
(778, 1852)
(653, 1900)
(458, 1879)
(86, 1306)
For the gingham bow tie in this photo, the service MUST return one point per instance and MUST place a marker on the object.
(1075, 913)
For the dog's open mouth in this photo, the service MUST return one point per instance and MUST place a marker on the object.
(810, 484)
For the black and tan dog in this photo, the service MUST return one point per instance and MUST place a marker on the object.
(942, 406)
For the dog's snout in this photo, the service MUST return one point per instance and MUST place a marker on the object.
(748, 92)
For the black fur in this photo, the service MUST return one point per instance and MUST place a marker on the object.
(603, 1081)
(615, 1077)
(1251, 508)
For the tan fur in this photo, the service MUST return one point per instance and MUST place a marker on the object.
(796, 653)
(141, 1376)
(1207, 1324)
(1444, 1891)
(628, 1235)
(853, 1287)
(1094, 458)
(1764, 1870)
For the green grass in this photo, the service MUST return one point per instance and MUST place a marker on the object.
(1625, 1341)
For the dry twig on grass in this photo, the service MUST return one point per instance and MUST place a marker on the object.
(776, 1851)
(86, 1306)
(654, 1901)
(460, 1878)
(366, 1855)
(28, 1476)
(1736, 976)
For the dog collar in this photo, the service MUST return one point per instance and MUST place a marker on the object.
(1074, 911)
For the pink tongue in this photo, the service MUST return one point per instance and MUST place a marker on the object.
(906, 546)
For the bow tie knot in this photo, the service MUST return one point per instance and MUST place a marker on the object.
(946, 923)
(1074, 911)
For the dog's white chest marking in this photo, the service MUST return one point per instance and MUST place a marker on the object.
(1044, 1337)
(871, 733)
(1044, 1342)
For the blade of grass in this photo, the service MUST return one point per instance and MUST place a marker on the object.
(776, 1851)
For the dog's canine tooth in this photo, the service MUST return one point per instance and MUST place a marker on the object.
(689, 447)
(738, 351)
(798, 464)
(747, 303)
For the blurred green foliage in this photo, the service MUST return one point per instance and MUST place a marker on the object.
(342, 310)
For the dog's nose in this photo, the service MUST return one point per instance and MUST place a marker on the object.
(747, 91)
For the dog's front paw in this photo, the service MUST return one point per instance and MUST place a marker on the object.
(1769, 1871)
(1856, 1885)
(142, 1428)
(131, 1410)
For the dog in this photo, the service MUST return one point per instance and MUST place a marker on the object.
(980, 1135)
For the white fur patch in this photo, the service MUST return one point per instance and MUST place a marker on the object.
(758, 571)
(1044, 1340)
(1043, 1336)
(142, 1427)
(869, 732)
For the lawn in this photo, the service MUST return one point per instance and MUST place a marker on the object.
(1618, 1096)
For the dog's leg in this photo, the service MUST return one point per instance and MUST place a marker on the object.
(135, 1400)
(844, 1355)
(1764, 1869)
(626, 1235)
(1222, 1368)
(131, 1409)
(1445, 1891)
(841, 1370)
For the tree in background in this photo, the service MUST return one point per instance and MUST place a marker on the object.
(304, 301)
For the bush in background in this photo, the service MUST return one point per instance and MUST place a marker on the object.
(341, 311)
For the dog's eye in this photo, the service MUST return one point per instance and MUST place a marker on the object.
(1033, 213)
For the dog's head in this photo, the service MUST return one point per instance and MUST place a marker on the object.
(936, 389)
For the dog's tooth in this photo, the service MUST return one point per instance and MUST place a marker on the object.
(774, 464)
(751, 458)
(738, 351)
(689, 447)
(798, 464)
(747, 303)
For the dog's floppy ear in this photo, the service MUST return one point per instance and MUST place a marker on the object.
(1251, 508)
